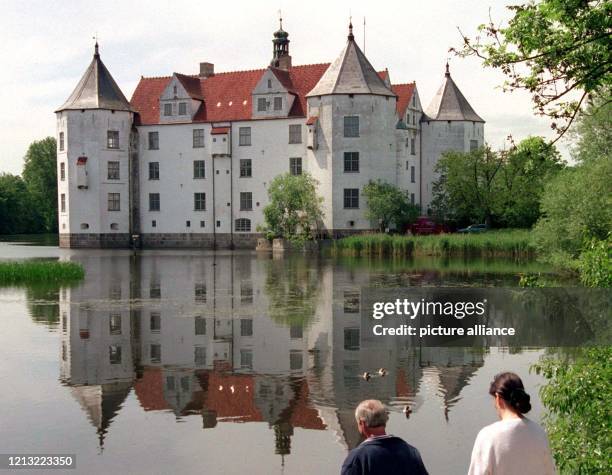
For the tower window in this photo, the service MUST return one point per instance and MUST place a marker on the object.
(262, 105)
(351, 162)
(244, 136)
(153, 140)
(295, 165)
(246, 201)
(412, 147)
(351, 198)
(199, 201)
(198, 138)
(61, 141)
(412, 198)
(295, 133)
(153, 170)
(62, 171)
(112, 139)
(113, 170)
(62, 203)
(246, 169)
(278, 103)
(412, 174)
(154, 202)
(114, 200)
(351, 126)
(199, 169)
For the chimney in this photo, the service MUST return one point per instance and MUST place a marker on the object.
(207, 70)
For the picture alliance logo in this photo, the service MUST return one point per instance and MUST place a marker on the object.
(413, 309)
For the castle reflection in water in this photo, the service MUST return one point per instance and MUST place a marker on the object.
(231, 337)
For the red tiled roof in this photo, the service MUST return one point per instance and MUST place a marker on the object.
(191, 85)
(404, 95)
(311, 120)
(150, 390)
(226, 96)
(219, 130)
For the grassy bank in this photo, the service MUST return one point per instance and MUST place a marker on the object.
(24, 272)
(513, 243)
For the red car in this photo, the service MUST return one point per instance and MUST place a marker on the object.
(425, 225)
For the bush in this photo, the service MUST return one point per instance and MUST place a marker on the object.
(24, 272)
(595, 263)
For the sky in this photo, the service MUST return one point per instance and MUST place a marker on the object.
(47, 45)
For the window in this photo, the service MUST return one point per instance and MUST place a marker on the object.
(115, 324)
(114, 354)
(351, 339)
(113, 170)
(412, 174)
(351, 198)
(155, 353)
(153, 224)
(112, 139)
(278, 103)
(187, 224)
(295, 165)
(200, 292)
(155, 322)
(61, 141)
(295, 133)
(198, 138)
(296, 360)
(245, 168)
(199, 201)
(246, 359)
(412, 198)
(412, 147)
(200, 326)
(62, 203)
(246, 292)
(269, 83)
(154, 290)
(351, 302)
(199, 356)
(262, 104)
(153, 170)
(167, 109)
(202, 224)
(244, 136)
(246, 201)
(153, 140)
(62, 171)
(351, 126)
(351, 162)
(296, 332)
(182, 108)
(246, 327)
(113, 202)
(243, 225)
(199, 170)
(473, 145)
(154, 202)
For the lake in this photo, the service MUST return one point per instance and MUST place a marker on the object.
(234, 362)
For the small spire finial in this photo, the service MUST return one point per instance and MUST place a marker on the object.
(351, 37)
(96, 50)
(447, 73)
(280, 18)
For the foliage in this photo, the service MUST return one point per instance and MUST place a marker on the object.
(576, 206)
(17, 214)
(294, 211)
(387, 204)
(509, 243)
(502, 188)
(560, 51)
(40, 176)
(595, 263)
(23, 272)
(592, 131)
(579, 411)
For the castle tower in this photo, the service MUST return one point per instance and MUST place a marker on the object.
(352, 118)
(93, 128)
(280, 52)
(449, 123)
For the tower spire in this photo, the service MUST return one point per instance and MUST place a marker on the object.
(447, 73)
(351, 37)
(96, 50)
(280, 50)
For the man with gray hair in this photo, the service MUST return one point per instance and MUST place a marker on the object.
(380, 453)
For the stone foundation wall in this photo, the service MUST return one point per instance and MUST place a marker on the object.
(94, 241)
(199, 241)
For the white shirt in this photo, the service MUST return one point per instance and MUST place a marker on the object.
(512, 447)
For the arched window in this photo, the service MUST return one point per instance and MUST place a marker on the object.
(243, 225)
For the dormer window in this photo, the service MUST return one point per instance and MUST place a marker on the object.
(278, 103)
(262, 104)
(167, 109)
(174, 90)
(182, 108)
(269, 83)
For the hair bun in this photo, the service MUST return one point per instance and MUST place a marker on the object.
(520, 400)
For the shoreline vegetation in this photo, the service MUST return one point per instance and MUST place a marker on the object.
(517, 244)
(39, 271)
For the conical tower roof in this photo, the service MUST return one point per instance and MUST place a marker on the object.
(351, 73)
(96, 90)
(450, 104)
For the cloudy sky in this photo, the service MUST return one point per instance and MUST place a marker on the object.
(46, 46)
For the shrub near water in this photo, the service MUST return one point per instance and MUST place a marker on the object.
(508, 243)
(23, 272)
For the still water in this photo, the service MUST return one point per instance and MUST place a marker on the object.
(233, 362)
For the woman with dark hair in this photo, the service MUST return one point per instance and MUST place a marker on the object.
(514, 445)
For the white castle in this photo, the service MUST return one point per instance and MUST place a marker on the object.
(187, 162)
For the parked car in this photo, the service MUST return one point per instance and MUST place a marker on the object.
(425, 225)
(474, 228)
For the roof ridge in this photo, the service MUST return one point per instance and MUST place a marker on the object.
(413, 83)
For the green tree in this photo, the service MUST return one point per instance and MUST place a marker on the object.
(17, 214)
(294, 211)
(388, 205)
(560, 51)
(592, 133)
(40, 176)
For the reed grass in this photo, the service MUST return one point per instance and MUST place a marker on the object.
(512, 243)
(39, 271)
